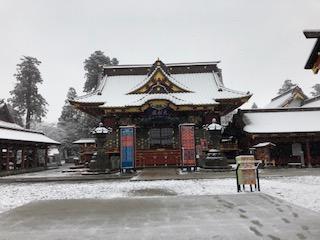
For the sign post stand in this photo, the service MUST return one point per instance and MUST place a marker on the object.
(127, 148)
(247, 172)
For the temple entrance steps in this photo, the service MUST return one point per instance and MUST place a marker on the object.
(157, 158)
(157, 173)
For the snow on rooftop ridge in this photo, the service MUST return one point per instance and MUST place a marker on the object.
(167, 64)
(26, 136)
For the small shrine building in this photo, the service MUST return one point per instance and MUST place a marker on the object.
(156, 98)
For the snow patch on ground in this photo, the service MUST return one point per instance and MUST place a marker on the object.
(303, 191)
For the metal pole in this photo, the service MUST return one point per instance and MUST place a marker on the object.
(238, 186)
(258, 178)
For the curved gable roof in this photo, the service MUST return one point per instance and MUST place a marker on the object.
(197, 84)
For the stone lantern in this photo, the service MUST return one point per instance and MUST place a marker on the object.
(101, 163)
(214, 158)
(215, 131)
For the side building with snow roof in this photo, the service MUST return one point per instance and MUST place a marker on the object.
(21, 149)
(156, 98)
(290, 122)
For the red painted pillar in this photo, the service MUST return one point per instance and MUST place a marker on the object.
(308, 163)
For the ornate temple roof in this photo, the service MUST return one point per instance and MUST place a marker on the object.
(181, 84)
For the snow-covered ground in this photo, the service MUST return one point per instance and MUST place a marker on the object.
(303, 191)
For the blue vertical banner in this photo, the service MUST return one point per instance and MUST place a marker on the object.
(127, 147)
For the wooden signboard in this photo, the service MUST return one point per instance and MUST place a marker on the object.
(187, 144)
(246, 170)
(127, 147)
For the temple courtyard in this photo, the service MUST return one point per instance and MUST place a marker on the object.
(242, 216)
(142, 207)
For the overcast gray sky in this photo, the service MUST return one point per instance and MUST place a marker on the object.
(260, 43)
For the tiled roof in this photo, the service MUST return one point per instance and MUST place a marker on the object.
(312, 102)
(14, 132)
(296, 120)
(205, 87)
(85, 140)
(284, 99)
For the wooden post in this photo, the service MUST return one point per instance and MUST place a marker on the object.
(46, 157)
(22, 158)
(27, 162)
(7, 159)
(15, 154)
(34, 155)
(308, 154)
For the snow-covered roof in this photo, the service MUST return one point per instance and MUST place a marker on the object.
(297, 120)
(312, 102)
(206, 88)
(14, 132)
(264, 144)
(203, 87)
(26, 136)
(284, 99)
(4, 124)
(280, 101)
(84, 140)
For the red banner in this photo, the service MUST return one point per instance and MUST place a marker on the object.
(188, 148)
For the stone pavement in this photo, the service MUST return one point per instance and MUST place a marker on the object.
(240, 216)
(148, 174)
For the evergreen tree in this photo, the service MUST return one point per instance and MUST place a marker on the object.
(49, 129)
(69, 113)
(93, 69)
(287, 84)
(74, 124)
(25, 97)
(316, 89)
(69, 123)
(254, 106)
